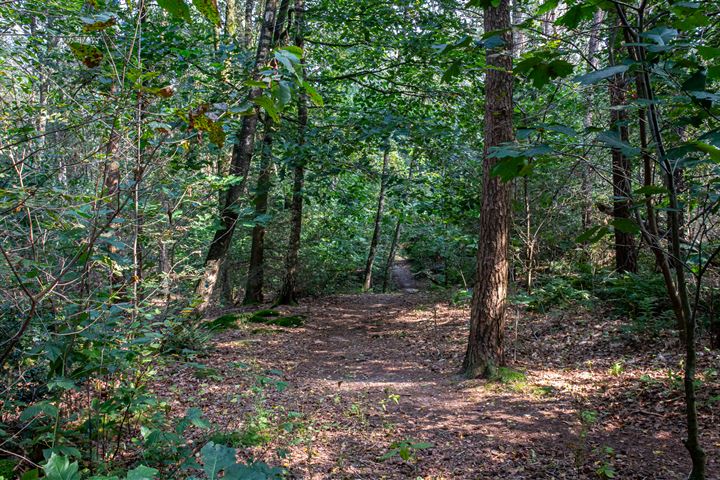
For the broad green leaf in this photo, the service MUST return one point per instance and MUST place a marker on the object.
(268, 105)
(625, 225)
(315, 97)
(576, 15)
(38, 408)
(216, 458)
(711, 150)
(176, 8)
(196, 418)
(90, 55)
(59, 467)
(708, 53)
(547, 6)
(593, 234)
(209, 10)
(612, 139)
(142, 473)
(597, 75)
(651, 190)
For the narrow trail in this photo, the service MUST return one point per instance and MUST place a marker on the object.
(369, 370)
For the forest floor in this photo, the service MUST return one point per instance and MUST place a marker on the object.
(368, 370)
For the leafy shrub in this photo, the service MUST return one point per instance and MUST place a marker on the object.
(641, 298)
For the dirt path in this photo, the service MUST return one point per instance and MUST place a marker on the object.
(369, 370)
(403, 277)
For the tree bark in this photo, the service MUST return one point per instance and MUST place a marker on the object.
(288, 291)
(587, 121)
(367, 277)
(625, 253)
(239, 167)
(487, 318)
(256, 271)
(396, 233)
(249, 27)
(686, 316)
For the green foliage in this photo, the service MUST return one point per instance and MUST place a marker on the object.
(406, 449)
(641, 298)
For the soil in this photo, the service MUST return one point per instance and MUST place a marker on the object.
(366, 371)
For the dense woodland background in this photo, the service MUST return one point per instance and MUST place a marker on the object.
(171, 170)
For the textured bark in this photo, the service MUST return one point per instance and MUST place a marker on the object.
(288, 291)
(367, 277)
(249, 26)
(239, 167)
(231, 17)
(586, 185)
(485, 344)
(256, 270)
(685, 315)
(625, 253)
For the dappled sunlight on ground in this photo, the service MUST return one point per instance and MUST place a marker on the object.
(369, 370)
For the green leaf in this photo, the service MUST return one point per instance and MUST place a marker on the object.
(196, 418)
(711, 150)
(33, 474)
(576, 14)
(41, 407)
(547, 6)
(597, 75)
(483, 3)
(62, 383)
(315, 97)
(268, 105)
(142, 473)
(216, 458)
(709, 53)
(612, 139)
(593, 234)
(176, 8)
(209, 10)
(625, 225)
(282, 93)
(90, 55)
(651, 190)
(58, 467)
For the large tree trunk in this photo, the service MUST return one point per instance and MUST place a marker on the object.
(239, 167)
(288, 291)
(588, 119)
(625, 253)
(367, 278)
(487, 318)
(256, 272)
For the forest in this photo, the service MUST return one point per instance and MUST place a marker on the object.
(359, 239)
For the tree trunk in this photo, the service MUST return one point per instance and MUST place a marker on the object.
(239, 167)
(587, 121)
(398, 228)
(485, 344)
(249, 28)
(256, 273)
(288, 291)
(625, 253)
(678, 290)
(367, 281)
